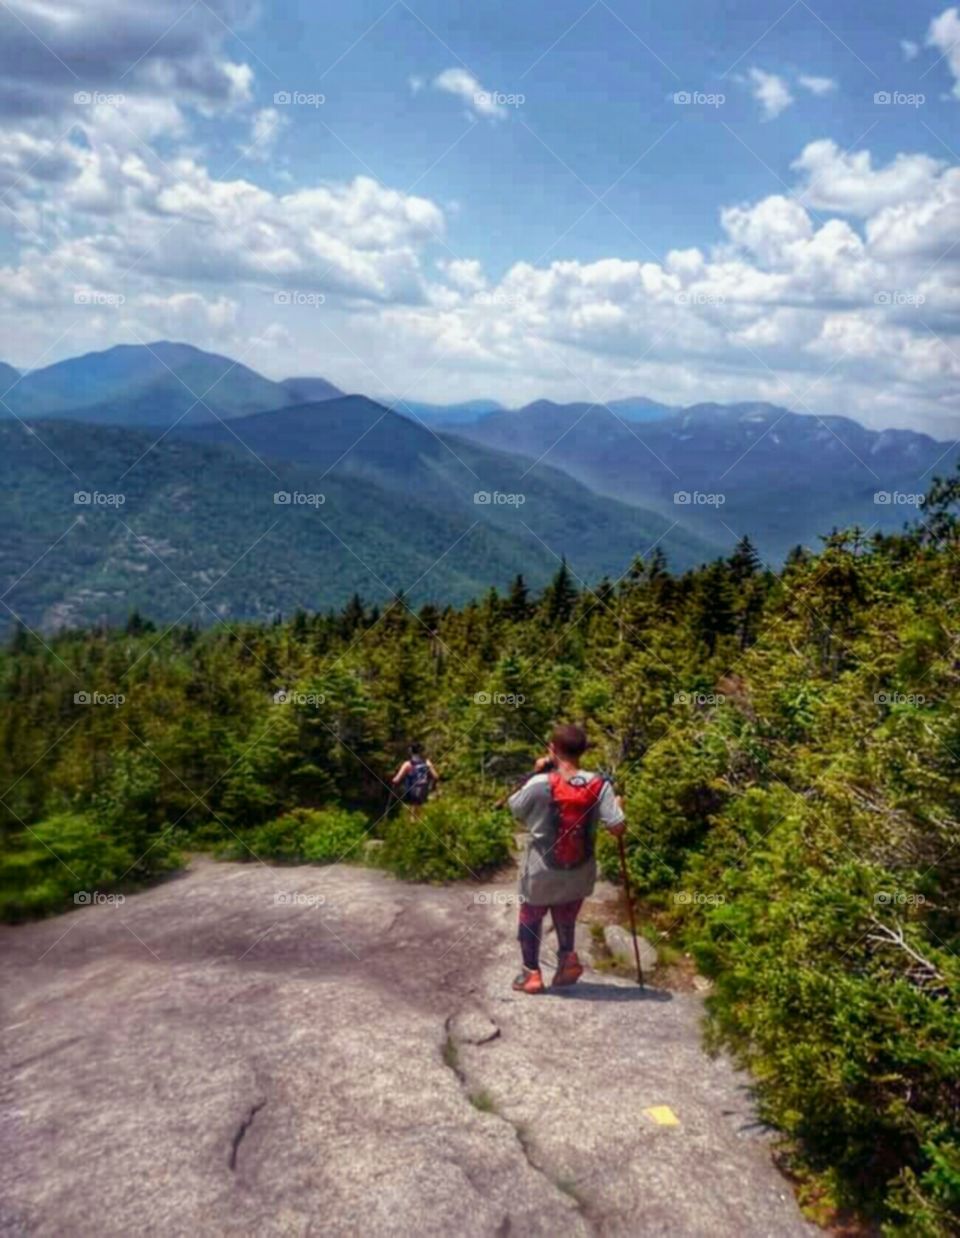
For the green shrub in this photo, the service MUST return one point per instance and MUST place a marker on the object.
(303, 835)
(452, 838)
(45, 865)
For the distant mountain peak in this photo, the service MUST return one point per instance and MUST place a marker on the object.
(310, 390)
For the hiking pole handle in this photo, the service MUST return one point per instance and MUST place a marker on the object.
(629, 897)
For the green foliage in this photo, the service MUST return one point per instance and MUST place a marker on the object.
(304, 835)
(788, 749)
(450, 839)
(62, 861)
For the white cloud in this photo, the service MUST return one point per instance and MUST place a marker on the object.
(465, 86)
(157, 50)
(910, 49)
(848, 182)
(944, 35)
(265, 128)
(771, 92)
(817, 85)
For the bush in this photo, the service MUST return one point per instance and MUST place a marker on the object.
(304, 835)
(44, 866)
(452, 838)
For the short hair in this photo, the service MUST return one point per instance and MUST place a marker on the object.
(569, 741)
(416, 749)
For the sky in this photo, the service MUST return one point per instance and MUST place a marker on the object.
(576, 200)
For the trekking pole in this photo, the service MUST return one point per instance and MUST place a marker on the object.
(633, 922)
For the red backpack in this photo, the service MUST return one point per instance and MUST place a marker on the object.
(575, 805)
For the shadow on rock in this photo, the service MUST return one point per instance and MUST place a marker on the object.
(588, 991)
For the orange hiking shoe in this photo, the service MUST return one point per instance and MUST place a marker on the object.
(529, 981)
(569, 971)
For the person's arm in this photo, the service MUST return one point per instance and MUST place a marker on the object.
(401, 773)
(519, 803)
(433, 771)
(611, 812)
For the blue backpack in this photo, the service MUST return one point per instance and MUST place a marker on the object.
(418, 782)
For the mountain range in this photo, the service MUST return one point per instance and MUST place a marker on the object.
(723, 470)
(300, 507)
(198, 444)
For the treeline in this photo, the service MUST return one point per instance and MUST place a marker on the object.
(788, 745)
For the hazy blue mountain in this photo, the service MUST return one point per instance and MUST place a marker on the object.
(8, 376)
(198, 517)
(639, 408)
(444, 414)
(784, 477)
(309, 390)
(354, 437)
(146, 385)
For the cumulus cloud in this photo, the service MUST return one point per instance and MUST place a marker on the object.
(49, 53)
(848, 182)
(817, 85)
(265, 128)
(944, 35)
(771, 92)
(465, 86)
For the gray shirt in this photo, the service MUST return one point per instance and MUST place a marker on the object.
(531, 806)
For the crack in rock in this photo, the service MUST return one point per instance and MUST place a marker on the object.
(458, 1027)
(241, 1130)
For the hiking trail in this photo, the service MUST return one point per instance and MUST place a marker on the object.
(247, 1049)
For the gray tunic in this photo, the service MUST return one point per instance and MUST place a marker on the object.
(539, 884)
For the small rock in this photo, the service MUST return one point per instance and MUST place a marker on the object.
(702, 984)
(620, 944)
(472, 1027)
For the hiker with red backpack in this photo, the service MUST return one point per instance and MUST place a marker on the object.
(418, 778)
(561, 805)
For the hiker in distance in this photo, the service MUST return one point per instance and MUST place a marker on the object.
(418, 778)
(561, 806)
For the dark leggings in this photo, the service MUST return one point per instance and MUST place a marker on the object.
(564, 917)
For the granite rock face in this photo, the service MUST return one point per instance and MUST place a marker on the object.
(266, 1051)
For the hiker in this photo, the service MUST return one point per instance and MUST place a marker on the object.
(561, 805)
(418, 777)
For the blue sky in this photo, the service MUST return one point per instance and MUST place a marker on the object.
(442, 202)
(596, 99)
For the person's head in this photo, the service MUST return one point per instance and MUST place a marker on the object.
(416, 749)
(568, 742)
